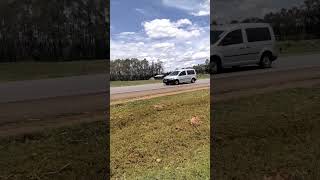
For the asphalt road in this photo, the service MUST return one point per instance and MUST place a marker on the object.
(29, 105)
(282, 64)
(97, 84)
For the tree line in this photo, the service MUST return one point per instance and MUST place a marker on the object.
(134, 69)
(203, 68)
(294, 23)
(54, 30)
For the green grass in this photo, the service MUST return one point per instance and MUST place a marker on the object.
(159, 128)
(142, 82)
(203, 76)
(67, 153)
(255, 136)
(266, 134)
(299, 47)
(42, 70)
(133, 83)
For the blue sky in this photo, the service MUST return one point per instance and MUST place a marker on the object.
(173, 31)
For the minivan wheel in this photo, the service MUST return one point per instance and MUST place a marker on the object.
(193, 80)
(265, 61)
(215, 67)
(176, 82)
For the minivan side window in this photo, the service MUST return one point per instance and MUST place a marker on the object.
(190, 72)
(183, 73)
(234, 37)
(258, 34)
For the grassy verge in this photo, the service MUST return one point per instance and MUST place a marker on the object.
(299, 47)
(257, 136)
(43, 70)
(153, 139)
(132, 83)
(68, 153)
(142, 82)
(265, 135)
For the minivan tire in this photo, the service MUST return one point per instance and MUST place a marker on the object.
(193, 80)
(266, 61)
(215, 67)
(176, 82)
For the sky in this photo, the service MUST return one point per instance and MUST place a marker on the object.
(226, 10)
(175, 32)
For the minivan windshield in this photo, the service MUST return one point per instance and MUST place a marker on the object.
(174, 73)
(215, 36)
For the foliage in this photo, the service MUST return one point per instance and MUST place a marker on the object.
(202, 68)
(297, 22)
(134, 69)
(292, 24)
(53, 30)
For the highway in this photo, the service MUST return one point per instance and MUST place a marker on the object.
(34, 102)
(97, 84)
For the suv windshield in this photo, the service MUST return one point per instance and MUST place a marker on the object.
(174, 73)
(215, 36)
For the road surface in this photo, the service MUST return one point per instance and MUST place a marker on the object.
(94, 84)
(73, 98)
(97, 84)
(283, 64)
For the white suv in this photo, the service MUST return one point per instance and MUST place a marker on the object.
(181, 76)
(242, 44)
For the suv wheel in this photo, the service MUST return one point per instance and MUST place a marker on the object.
(193, 80)
(265, 61)
(176, 82)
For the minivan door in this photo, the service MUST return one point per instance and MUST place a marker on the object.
(257, 39)
(190, 75)
(232, 48)
(182, 77)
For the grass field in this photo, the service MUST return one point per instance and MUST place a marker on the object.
(43, 70)
(299, 47)
(274, 133)
(265, 135)
(68, 153)
(141, 82)
(153, 139)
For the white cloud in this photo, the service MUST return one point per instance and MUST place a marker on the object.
(127, 33)
(182, 22)
(194, 7)
(164, 28)
(164, 45)
(177, 47)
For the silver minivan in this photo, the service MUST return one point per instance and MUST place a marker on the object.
(242, 44)
(181, 76)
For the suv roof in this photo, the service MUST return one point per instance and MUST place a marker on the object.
(239, 25)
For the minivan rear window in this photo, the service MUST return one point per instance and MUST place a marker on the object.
(190, 72)
(258, 34)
